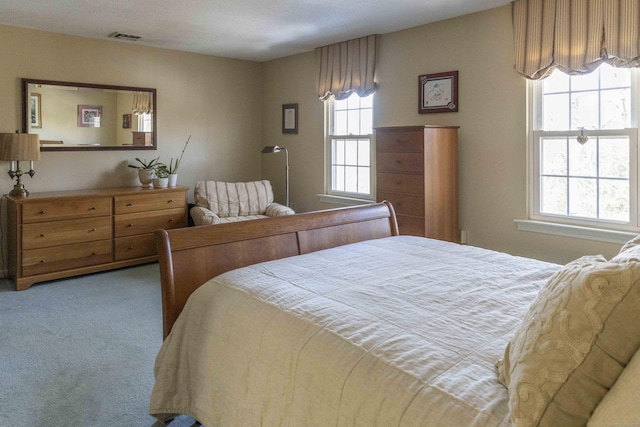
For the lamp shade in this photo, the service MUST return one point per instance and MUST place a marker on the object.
(19, 146)
(271, 149)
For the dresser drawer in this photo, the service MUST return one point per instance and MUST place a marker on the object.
(66, 209)
(400, 183)
(135, 247)
(411, 226)
(55, 233)
(400, 142)
(404, 204)
(400, 163)
(46, 260)
(148, 222)
(151, 201)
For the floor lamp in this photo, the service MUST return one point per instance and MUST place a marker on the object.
(275, 149)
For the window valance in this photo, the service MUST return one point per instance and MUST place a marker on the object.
(575, 36)
(142, 103)
(347, 67)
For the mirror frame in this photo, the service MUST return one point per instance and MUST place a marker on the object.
(25, 114)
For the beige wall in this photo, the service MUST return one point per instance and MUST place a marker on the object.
(492, 120)
(216, 100)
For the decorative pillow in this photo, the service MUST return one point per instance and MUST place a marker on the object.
(630, 251)
(576, 338)
(620, 405)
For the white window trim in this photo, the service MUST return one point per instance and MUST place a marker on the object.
(344, 197)
(605, 231)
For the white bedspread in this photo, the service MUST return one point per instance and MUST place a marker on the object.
(401, 331)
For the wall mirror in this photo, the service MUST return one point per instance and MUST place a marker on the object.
(84, 116)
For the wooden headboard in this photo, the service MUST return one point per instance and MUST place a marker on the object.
(190, 256)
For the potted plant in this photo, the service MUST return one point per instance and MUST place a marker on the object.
(172, 169)
(146, 170)
(162, 176)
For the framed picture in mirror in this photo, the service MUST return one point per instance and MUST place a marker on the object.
(89, 116)
(35, 110)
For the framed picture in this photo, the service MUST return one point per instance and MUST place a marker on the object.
(36, 110)
(126, 121)
(289, 118)
(438, 93)
(89, 116)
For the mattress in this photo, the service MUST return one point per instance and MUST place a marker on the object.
(399, 331)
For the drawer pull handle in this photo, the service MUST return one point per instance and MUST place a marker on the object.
(130, 248)
(92, 208)
(93, 229)
(129, 204)
(43, 212)
(171, 220)
(129, 225)
(42, 235)
(170, 201)
(42, 261)
(93, 254)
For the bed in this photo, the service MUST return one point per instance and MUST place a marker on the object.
(332, 318)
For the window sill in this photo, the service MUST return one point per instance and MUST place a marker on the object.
(599, 234)
(342, 200)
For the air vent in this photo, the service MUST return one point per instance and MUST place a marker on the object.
(122, 36)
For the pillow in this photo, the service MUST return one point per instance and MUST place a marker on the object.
(574, 341)
(620, 406)
(630, 251)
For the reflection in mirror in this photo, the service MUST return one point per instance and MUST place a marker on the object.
(79, 116)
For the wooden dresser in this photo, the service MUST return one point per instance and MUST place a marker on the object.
(417, 171)
(62, 234)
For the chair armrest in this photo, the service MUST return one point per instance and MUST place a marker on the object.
(276, 209)
(203, 216)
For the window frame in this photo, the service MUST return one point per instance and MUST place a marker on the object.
(329, 137)
(535, 135)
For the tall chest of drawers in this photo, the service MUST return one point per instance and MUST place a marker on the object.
(417, 171)
(62, 234)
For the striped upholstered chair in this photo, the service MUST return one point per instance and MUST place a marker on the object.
(217, 202)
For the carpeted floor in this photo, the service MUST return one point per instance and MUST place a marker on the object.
(80, 352)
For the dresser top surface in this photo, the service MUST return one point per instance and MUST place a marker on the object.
(93, 192)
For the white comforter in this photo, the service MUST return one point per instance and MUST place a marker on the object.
(401, 331)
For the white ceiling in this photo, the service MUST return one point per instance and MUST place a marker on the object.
(257, 30)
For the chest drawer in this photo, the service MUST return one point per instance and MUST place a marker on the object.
(135, 247)
(67, 209)
(411, 226)
(405, 204)
(400, 142)
(400, 183)
(54, 233)
(45, 260)
(152, 201)
(400, 163)
(148, 222)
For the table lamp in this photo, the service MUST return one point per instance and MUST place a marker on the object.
(17, 147)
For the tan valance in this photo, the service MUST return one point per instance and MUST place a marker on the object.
(142, 103)
(575, 36)
(347, 67)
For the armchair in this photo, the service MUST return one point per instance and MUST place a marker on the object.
(218, 202)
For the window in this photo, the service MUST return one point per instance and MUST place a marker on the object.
(349, 147)
(592, 182)
(144, 122)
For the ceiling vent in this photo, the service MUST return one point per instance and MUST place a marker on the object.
(127, 37)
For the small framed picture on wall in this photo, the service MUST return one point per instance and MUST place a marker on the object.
(126, 121)
(438, 93)
(290, 118)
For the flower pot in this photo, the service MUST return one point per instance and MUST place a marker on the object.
(173, 179)
(145, 176)
(160, 182)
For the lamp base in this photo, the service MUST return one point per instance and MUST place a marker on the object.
(19, 191)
